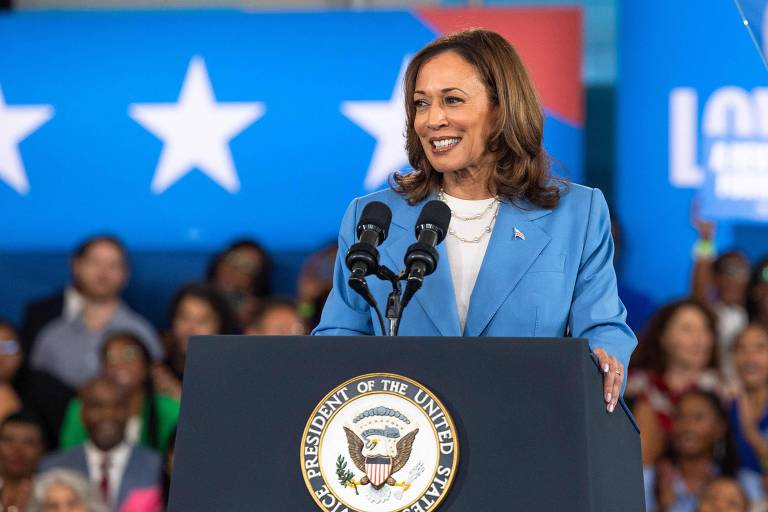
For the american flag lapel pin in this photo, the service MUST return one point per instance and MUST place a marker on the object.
(519, 234)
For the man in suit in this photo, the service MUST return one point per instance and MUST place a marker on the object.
(114, 466)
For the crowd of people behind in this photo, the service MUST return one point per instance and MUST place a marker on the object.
(90, 392)
(698, 388)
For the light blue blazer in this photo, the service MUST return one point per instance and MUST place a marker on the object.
(558, 280)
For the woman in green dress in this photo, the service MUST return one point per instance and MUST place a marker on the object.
(153, 416)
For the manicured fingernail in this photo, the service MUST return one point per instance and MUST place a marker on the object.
(605, 368)
(608, 397)
(610, 407)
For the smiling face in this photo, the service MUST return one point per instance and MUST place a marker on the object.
(696, 427)
(104, 413)
(454, 116)
(688, 340)
(124, 362)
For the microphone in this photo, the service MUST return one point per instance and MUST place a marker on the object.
(363, 258)
(421, 258)
(372, 229)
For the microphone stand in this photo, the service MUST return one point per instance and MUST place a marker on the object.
(396, 300)
(358, 283)
(394, 303)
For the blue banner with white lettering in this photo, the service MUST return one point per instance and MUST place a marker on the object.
(692, 139)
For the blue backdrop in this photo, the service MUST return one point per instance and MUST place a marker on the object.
(180, 131)
(297, 157)
(690, 79)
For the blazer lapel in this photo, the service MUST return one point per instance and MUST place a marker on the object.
(81, 461)
(127, 483)
(436, 297)
(515, 244)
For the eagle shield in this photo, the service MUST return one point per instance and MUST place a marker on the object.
(378, 469)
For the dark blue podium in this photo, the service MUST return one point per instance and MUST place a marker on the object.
(532, 425)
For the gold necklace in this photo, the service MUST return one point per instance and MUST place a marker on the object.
(487, 229)
(478, 216)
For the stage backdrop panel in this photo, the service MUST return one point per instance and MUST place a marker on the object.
(183, 130)
(692, 124)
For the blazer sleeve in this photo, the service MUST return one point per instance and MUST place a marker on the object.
(597, 313)
(345, 313)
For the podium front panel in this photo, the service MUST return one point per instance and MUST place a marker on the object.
(533, 431)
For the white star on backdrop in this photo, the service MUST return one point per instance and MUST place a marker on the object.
(196, 131)
(16, 123)
(384, 120)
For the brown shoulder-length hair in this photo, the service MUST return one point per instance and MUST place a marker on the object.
(650, 354)
(521, 165)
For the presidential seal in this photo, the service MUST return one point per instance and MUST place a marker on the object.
(379, 443)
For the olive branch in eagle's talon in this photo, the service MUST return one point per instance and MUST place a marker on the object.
(346, 477)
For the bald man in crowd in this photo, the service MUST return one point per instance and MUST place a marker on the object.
(116, 467)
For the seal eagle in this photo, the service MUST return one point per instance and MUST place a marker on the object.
(399, 460)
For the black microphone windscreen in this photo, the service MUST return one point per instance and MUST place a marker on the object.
(378, 214)
(436, 213)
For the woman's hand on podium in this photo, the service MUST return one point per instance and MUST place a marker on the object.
(613, 377)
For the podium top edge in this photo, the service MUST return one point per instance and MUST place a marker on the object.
(494, 339)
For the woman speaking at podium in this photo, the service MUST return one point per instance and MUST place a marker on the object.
(526, 254)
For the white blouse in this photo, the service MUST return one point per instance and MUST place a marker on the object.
(465, 258)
